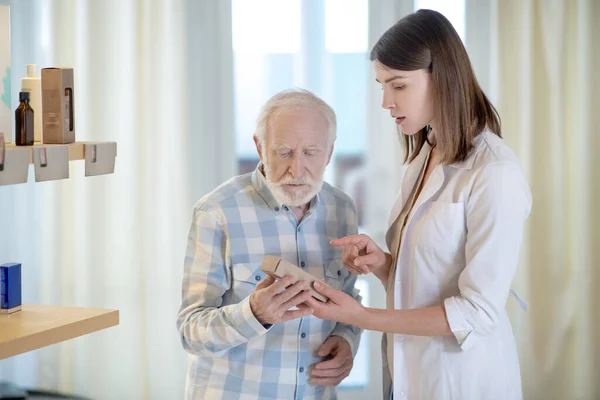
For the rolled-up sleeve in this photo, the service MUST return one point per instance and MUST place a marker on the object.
(497, 208)
(205, 326)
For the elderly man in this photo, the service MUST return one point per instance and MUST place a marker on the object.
(246, 336)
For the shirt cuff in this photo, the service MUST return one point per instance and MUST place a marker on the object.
(245, 321)
(457, 322)
(350, 338)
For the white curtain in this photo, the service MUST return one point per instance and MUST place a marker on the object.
(384, 153)
(154, 76)
(539, 60)
(384, 171)
(549, 96)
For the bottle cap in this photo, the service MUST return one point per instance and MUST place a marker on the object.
(23, 96)
(31, 70)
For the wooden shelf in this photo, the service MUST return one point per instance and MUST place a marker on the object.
(37, 326)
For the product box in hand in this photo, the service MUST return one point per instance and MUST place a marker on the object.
(10, 288)
(58, 105)
(278, 268)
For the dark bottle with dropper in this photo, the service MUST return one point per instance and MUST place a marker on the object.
(24, 121)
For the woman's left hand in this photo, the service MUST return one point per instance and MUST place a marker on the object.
(340, 307)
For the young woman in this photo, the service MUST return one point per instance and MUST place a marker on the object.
(455, 232)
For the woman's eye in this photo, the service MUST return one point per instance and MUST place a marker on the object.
(401, 87)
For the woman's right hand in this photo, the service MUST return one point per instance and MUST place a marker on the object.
(361, 255)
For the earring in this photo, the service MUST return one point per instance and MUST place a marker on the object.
(427, 130)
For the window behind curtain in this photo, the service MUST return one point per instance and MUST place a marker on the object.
(319, 45)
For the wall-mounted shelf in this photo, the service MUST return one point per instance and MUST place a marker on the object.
(51, 161)
(76, 150)
(37, 326)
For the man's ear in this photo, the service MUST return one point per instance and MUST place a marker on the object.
(330, 154)
(258, 148)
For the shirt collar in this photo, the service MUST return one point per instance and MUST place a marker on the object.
(476, 143)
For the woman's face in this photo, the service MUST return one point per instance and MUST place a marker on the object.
(408, 95)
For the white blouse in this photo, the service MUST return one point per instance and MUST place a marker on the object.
(460, 247)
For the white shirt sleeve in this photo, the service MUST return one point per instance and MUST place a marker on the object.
(497, 208)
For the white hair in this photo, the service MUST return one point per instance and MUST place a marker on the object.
(293, 99)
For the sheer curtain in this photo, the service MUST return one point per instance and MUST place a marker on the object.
(384, 172)
(548, 95)
(538, 60)
(385, 154)
(155, 76)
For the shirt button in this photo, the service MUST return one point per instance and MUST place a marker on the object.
(302, 264)
(299, 229)
(401, 394)
(301, 369)
(276, 208)
(257, 277)
(339, 272)
(286, 208)
(303, 335)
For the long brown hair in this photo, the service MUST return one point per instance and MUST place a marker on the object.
(427, 40)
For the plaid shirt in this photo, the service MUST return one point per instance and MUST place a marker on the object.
(233, 228)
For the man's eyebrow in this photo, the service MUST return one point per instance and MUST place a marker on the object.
(281, 147)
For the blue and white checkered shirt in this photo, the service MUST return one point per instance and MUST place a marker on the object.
(233, 228)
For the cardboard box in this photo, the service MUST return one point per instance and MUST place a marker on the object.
(278, 268)
(10, 288)
(58, 105)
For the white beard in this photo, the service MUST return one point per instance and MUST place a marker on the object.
(293, 199)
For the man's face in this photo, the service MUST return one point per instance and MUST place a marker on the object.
(296, 152)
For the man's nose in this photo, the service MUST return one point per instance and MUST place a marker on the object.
(297, 166)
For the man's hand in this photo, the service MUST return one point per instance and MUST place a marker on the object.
(332, 372)
(271, 301)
